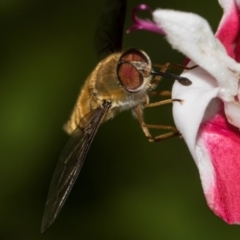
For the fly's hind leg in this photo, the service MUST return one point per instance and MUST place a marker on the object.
(145, 127)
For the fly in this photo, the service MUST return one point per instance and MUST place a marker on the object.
(120, 81)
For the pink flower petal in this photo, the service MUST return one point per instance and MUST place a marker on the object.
(228, 29)
(222, 142)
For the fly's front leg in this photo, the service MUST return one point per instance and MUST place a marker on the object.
(163, 68)
(157, 79)
(145, 127)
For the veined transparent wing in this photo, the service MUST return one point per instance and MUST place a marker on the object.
(69, 165)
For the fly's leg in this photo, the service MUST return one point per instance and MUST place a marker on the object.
(163, 68)
(157, 79)
(165, 93)
(145, 127)
(139, 111)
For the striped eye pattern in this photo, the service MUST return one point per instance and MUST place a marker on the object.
(133, 66)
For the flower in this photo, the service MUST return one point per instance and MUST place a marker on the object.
(209, 116)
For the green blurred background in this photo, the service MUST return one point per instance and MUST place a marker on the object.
(128, 188)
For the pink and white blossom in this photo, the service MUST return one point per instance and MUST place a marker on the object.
(209, 116)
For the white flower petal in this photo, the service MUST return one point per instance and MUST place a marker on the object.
(191, 35)
(189, 114)
(188, 117)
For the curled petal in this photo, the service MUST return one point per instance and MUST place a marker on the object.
(140, 24)
(191, 34)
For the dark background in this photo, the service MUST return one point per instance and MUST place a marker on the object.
(128, 188)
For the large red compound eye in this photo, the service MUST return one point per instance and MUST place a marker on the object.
(129, 76)
(131, 69)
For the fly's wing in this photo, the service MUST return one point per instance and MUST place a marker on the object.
(109, 32)
(69, 165)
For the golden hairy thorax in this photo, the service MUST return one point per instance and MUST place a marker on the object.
(103, 84)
